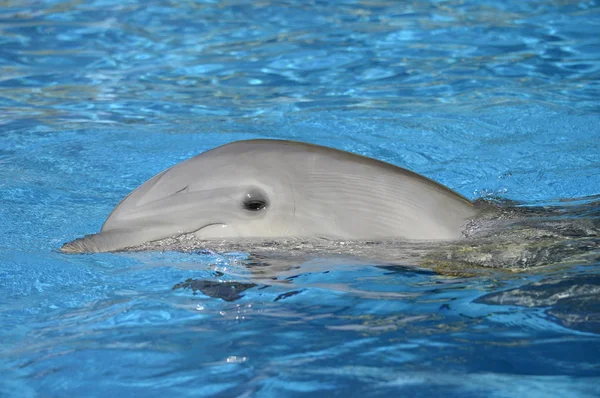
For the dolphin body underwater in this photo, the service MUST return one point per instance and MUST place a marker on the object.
(273, 189)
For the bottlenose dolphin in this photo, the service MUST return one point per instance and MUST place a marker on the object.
(274, 188)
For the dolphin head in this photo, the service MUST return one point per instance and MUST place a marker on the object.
(273, 188)
(231, 191)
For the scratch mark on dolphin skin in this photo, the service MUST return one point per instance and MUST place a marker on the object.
(182, 189)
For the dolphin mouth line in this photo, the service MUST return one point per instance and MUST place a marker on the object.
(208, 225)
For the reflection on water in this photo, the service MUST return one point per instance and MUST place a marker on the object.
(571, 299)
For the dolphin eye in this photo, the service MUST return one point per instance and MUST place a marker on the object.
(255, 205)
(255, 200)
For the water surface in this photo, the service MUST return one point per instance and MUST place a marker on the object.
(493, 99)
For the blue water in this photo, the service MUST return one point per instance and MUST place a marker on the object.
(491, 98)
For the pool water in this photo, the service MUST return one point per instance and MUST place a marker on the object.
(491, 98)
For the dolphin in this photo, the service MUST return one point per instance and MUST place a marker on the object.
(266, 188)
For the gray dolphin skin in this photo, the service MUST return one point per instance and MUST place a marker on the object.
(273, 189)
